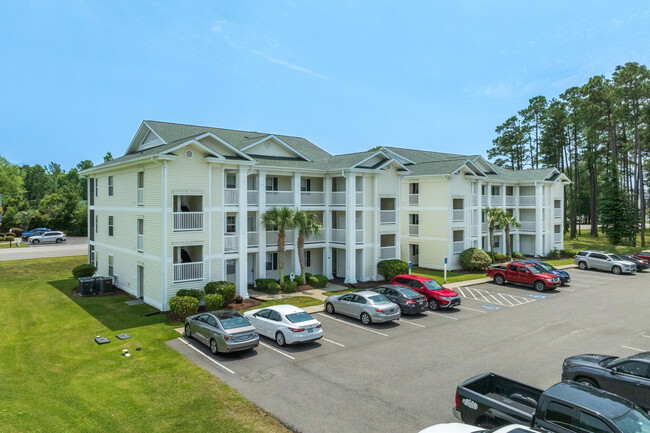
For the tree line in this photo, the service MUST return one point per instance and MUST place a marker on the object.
(598, 134)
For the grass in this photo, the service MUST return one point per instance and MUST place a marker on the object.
(298, 301)
(452, 277)
(587, 242)
(340, 292)
(56, 379)
(13, 245)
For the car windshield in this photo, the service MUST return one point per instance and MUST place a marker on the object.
(609, 361)
(635, 421)
(535, 269)
(379, 300)
(432, 285)
(299, 317)
(234, 322)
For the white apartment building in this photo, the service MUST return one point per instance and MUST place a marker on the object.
(183, 207)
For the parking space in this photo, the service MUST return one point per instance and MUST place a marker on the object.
(401, 376)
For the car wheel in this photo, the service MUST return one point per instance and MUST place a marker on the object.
(433, 304)
(498, 278)
(616, 270)
(213, 347)
(365, 319)
(539, 286)
(587, 382)
(583, 266)
(279, 338)
(188, 331)
(58, 241)
(36, 242)
(329, 308)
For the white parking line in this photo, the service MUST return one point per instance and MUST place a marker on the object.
(333, 342)
(353, 325)
(646, 336)
(633, 348)
(467, 308)
(504, 298)
(443, 315)
(411, 323)
(206, 356)
(276, 350)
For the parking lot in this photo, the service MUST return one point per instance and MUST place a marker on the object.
(73, 246)
(402, 376)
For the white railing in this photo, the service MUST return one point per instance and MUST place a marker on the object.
(230, 242)
(458, 215)
(474, 200)
(388, 252)
(320, 237)
(557, 237)
(359, 201)
(527, 226)
(140, 243)
(414, 230)
(338, 198)
(526, 200)
(272, 238)
(475, 231)
(192, 271)
(140, 196)
(459, 246)
(312, 198)
(274, 198)
(338, 235)
(510, 200)
(230, 196)
(484, 227)
(387, 217)
(359, 236)
(185, 221)
(496, 200)
(414, 199)
(253, 239)
(558, 212)
(252, 197)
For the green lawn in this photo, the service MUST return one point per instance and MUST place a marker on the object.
(586, 242)
(452, 277)
(298, 301)
(340, 292)
(13, 245)
(56, 379)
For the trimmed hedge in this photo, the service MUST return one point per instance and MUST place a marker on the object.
(290, 287)
(226, 289)
(318, 281)
(500, 258)
(184, 305)
(568, 254)
(9, 238)
(307, 277)
(389, 269)
(297, 279)
(517, 255)
(85, 270)
(192, 293)
(213, 302)
(264, 283)
(475, 259)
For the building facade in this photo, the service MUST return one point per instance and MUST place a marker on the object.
(183, 207)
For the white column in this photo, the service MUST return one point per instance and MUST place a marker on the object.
(488, 187)
(539, 229)
(209, 229)
(376, 257)
(504, 248)
(327, 226)
(478, 211)
(261, 229)
(350, 229)
(398, 238)
(165, 217)
(242, 226)
(298, 204)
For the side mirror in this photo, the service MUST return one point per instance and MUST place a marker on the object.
(614, 370)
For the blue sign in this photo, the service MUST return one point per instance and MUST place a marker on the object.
(445, 260)
(410, 265)
(537, 296)
(490, 307)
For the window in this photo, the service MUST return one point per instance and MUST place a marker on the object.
(414, 188)
(634, 368)
(305, 184)
(264, 314)
(110, 225)
(592, 424)
(231, 224)
(110, 186)
(96, 223)
(523, 270)
(560, 415)
(96, 187)
(496, 190)
(274, 315)
(272, 261)
(231, 267)
(231, 180)
(140, 235)
(307, 258)
(512, 268)
(140, 184)
(414, 219)
(497, 242)
(110, 266)
(212, 322)
(415, 249)
(272, 184)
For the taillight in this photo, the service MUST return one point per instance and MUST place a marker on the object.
(319, 326)
(296, 329)
(409, 302)
(378, 310)
(226, 338)
(457, 401)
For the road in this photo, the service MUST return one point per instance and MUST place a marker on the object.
(73, 246)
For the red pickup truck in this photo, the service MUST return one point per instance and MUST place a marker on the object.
(529, 275)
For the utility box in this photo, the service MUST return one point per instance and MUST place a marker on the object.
(86, 286)
(103, 285)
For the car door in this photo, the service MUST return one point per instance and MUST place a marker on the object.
(394, 296)
(261, 321)
(357, 305)
(418, 287)
(598, 261)
(345, 303)
(274, 321)
(558, 417)
(524, 275)
(512, 273)
(629, 379)
(198, 328)
(210, 328)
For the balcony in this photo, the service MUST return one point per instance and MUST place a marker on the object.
(484, 227)
(359, 236)
(474, 199)
(526, 200)
(527, 226)
(414, 230)
(414, 199)
(484, 200)
(279, 198)
(192, 271)
(253, 239)
(496, 201)
(312, 198)
(188, 221)
(313, 238)
(458, 215)
(140, 196)
(388, 252)
(458, 247)
(272, 238)
(338, 199)
(510, 200)
(557, 212)
(359, 198)
(253, 197)
(231, 196)
(387, 217)
(338, 235)
(230, 242)
(557, 238)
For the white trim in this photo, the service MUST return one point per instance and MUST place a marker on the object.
(127, 251)
(390, 162)
(395, 153)
(370, 157)
(225, 143)
(279, 141)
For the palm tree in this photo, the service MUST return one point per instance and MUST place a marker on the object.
(493, 217)
(24, 217)
(307, 224)
(507, 222)
(282, 220)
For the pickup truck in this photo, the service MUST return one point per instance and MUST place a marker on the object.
(489, 400)
(523, 273)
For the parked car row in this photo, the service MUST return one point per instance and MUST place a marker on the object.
(614, 263)
(43, 235)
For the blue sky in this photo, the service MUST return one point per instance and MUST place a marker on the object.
(78, 77)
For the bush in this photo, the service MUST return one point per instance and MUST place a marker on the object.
(517, 255)
(307, 277)
(226, 289)
(500, 258)
(263, 284)
(554, 254)
(297, 279)
(475, 259)
(184, 306)
(192, 293)
(273, 288)
(289, 287)
(318, 281)
(568, 254)
(87, 270)
(9, 238)
(2, 238)
(213, 302)
(391, 268)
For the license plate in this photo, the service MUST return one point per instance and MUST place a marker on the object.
(310, 330)
(455, 302)
(244, 338)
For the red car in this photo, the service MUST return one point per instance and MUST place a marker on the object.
(526, 274)
(437, 296)
(645, 255)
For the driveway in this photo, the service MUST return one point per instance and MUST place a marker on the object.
(73, 246)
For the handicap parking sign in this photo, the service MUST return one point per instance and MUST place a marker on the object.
(490, 307)
(532, 295)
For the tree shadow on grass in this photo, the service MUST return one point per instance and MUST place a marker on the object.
(111, 311)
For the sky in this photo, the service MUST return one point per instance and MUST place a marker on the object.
(77, 78)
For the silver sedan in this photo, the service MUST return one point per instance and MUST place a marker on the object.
(369, 307)
(222, 331)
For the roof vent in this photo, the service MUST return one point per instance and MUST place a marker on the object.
(189, 154)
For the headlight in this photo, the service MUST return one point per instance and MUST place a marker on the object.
(550, 280)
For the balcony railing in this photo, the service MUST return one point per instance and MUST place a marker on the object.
(387, 217)
(338, 235)
(272, 238)
(458, 215)
(253, 239)
(359, 236)
(526, 200)
(253, 197)
(527, 226)
(557, 212)
(274, 198)
(510, 200)
(484, 227)
(414, 230)
(192, 271)
(231, 196)
(312, 198)
(140, 196)
(388, 252)
(496, 200)
(320, 237)
(338, 198)
(230, 242)
(414, 199)
(458, 247)
(359, 196)
(187, 221)
(474, 200)
(557, 237)
(484, 200)
(140, 243)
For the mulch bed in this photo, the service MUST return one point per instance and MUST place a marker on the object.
(245, 305)
(359, 284)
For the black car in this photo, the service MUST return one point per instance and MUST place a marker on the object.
(627, 377)
(409, 301)
(640, 263)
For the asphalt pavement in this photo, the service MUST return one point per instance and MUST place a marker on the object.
(73, 246)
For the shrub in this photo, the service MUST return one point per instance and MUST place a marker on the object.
(184, 306)
(517, 255)
(9, 238)
(318, 281)
(568, 254)
(554, 254)
(500, 258)
(307, 277)
(297, 279)
(2, 238)
(211, 287)
(290, 286)
(192, 293)
(475, 259)
(273, 288)
(263, 284)
(391, 268)
(213, 302)
(226, 289)
(86, 270)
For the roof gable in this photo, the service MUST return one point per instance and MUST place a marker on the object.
(274, 147)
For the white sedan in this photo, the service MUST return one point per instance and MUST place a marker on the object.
(456, 427)
(285, 324)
